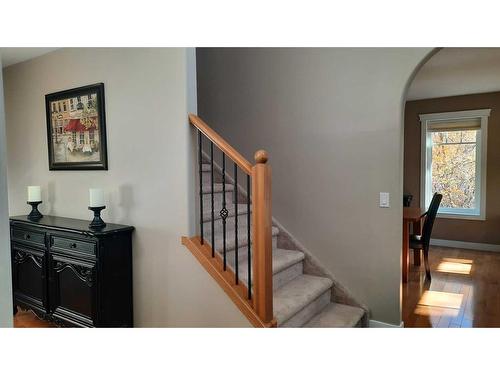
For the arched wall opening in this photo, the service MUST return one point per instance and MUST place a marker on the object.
(452, 86)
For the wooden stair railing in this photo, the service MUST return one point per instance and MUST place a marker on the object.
(255, 303)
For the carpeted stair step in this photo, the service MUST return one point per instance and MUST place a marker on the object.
(218, 188)
(287, 265)
(242, 255)
(230, 222)
(296, 302)
(243, 252)
(218, 193)
(242, 249)
(206, 174)
(207, 203)
(230, 239)
(242, 212)
(336, 315)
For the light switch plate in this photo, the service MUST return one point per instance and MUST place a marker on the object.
(384, 200)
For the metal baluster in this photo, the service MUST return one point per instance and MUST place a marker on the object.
(201, 184)
(236, 223)
(248, 240)
(223, 212)
(212, 195)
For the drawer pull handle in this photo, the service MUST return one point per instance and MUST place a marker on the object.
(73, 245)
(27, 236)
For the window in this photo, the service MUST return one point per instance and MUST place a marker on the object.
(454, 162)
(82, 138)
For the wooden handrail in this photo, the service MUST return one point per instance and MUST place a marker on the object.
(221, 143)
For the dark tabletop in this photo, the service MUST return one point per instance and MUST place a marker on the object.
(64, 223)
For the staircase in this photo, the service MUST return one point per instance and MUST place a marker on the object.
(299, 299)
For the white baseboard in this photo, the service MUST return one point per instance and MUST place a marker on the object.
(465, 245)
(377, 324)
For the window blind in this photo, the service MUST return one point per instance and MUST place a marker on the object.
(454, 125)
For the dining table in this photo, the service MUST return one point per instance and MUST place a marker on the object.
(411, 215)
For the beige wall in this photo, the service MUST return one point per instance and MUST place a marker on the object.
(150, 182)
(331, 120)
(5, 271)
(477, 231)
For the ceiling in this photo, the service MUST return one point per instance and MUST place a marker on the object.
(457, 71)
(11, 56)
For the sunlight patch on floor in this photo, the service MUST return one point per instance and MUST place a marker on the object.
(458, 260)
(436, 312)
(452, 265)
(439, 303)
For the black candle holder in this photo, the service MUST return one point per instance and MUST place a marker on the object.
(97, 223)
(34, 214)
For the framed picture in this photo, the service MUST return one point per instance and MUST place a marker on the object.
(76, 129)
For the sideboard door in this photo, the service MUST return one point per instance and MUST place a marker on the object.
(29, 277)
(73, 290)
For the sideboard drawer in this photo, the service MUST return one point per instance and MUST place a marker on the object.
(71, 244)
(28, 237)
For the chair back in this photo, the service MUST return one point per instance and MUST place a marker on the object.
(430, 218)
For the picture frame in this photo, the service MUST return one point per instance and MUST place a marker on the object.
(76, 129)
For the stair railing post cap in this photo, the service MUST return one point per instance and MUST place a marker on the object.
(261, 157)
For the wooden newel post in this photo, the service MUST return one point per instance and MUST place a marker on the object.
(262, 237)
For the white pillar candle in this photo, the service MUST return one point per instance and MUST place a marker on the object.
(96, 197)
(34, 194)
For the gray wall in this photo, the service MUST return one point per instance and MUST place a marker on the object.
(5, 271)
(150, 182)
(331, 120)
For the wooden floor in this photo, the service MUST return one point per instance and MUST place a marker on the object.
(464, 291)
(26, 319)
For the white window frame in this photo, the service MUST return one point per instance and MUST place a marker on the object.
(426, 155)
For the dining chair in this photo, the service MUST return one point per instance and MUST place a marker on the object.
(417, 242)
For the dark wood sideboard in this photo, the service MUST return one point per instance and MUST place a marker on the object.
(69, 274)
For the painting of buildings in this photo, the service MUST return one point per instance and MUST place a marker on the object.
(76, 128)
